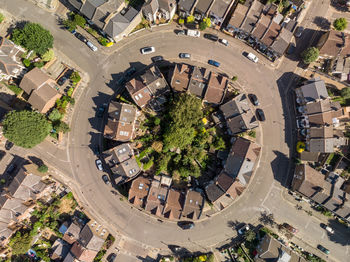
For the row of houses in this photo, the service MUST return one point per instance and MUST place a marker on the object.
(320, 120)
(330, 191)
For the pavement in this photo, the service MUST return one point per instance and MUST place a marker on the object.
(140, 232)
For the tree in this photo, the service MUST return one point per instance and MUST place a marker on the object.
(75, 77)
(250, 235)
(55, 115)
(70, 25)
(26, 128)
(43, 169)
(33, 37)
(205, 23)
(345, 92)
(61, 126)
(48, 55)
(2, 17)
(210, 257)
(190, 19)
(310, 55)
(181, 21)
(219, 143)
(20, 243)
(340, 24)
(79, 20)
(163, 163)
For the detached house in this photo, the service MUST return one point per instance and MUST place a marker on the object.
(159, 9)
(219, 11)
(156, 198)
(216, 89)
(138, 191)
(41, 90)
(193, 206)
(10, 60)
(121, 121)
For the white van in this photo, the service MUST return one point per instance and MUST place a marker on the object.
(252, 57)
(91, 45)
(330, 230)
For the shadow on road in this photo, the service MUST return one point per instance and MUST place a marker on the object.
(341, 233)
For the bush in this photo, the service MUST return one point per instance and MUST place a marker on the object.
(181, 21)
(48, 56)
(75, 77)
(39, 64)
(190, 19)
(340, 24)
(20, 243)
(2, 17)
(103, 41)
(70, 92)
(55, 115)
(310, 55)
(43, 168)
(79, 20)
(26, 62)
(70, 25)
(17, 90)
(234, 78)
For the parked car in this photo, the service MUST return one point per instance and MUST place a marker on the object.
(193, 33)
(181, 32)
(290, 228)
(260, 114)
(157, 58)
(213, 63)
(62, 80)
(253, 98)
(92, 46)
(224, 42)
(252, 57)
(100, 111)
(8, 145)
(185, 224)
(185, 55)
(106, 179)
(211, 37)
(112, 257)
(299, 31)
(323, 249)
(99, 164)
(147, 50)
(2, 154)
(130, 71)
(329, 229)
(121, 81)
(242, 229)
(80, 37)
(11, 168)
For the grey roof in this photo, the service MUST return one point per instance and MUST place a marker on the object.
(213, 192)
(5, 232)
(118, 23)
(61, 249)
(282, 41)
(69, 258)
(150, 7)
(199, 81)
(290, 26)
(219, 7)
(252, 16)
(89, 7)
(314, 89)
(89, 240)
(242, 122)
(76, 3)
(167, 5)
(118, 154)
(186, 5)
(236, 106)
(126, 170)
(323, 145)
(202, 6)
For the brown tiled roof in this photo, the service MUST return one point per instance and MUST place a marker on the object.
(139, 190)
(321, 132)
(318, 106)
(193, 205)
(42, 95)
(238, 16)
(235, 190)
(271, 34)
(216, 88)
(72, 233)
(156, 198)
(139, 92)
(181, 77)
(321, 118)
(174, 204)
(307, 180)
(261, 26)
(84, 255)
(331, 43)
(33, 79)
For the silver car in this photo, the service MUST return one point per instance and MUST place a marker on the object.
(99, 164)
(185, 55)
(147, 50)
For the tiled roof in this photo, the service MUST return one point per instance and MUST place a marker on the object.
(238, 16)
(236, 106)
(307, 180)
(174, 204)
(271, 34)
(139, 190)
(181, 76)
(216, 88)
(193, 205)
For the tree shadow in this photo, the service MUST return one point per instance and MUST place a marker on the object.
(146, 259)
(18, 24)
(267, 219)
(232, 224)
(341, 233)
(322, 22)
(340, 6)
(36, 160)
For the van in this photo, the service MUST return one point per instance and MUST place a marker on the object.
(91, 45)
(330, 230)
(252, 57)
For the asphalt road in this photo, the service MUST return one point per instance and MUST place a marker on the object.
(78, 162)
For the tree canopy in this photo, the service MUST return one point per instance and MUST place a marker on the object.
(310, 55)
(33, 37)
(340, 24)
(26, 128)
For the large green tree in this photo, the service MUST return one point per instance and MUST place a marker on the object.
(20, 243)
(340, 24)
(33, 37)
(310, 55)
(26, 128)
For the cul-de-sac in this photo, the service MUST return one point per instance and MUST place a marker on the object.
(175, 130)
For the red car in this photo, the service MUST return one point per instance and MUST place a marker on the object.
(290, 228)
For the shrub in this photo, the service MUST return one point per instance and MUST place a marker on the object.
(55, 115)
(2, 181)
(26, 62)
(181, 21)
(70, 92)
(17, 90)
(70, 25)
(190, 19)
(234, 78)
(43, 168)
(340, 24)
(39, 64)
(48, 56)
(310, 55)
(75, 77)
(103, 41)
(79, 20)
(2, 17)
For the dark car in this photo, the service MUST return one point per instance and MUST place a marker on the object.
(299, 31)
(157, 58)
(11, 168)
(291, 49)
(211, 37)
(260, 114)
(100, 111)
(323, 249)
(62, 80)
(96, 150)
(8, 145)
(81, 37)
(2, 154)
(111, 257)
(185, 224)
(253, 98)
(213, 63)
(121, 81)
(130, 71)
(181, 32)
(106, 179)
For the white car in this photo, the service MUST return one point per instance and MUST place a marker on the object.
(224, 42)
(91, 45)
(243, 229)
(148, 50)
(99, 164)
(252, 57)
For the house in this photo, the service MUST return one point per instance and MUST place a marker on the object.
(217, 196)
(202, 8)
(138, 191)
(314, 89)
(241, 160)
(90, 238)
(121, 121)
(150, 9)
(157, 195)
(159, 9)
(10, 60)
(69, 257)
(148, 88)
(271, 33)
(270, 249)
(193, 206)
(125, 171)
(282, 41)
(60, 250)
(72, 233)
(199, 81)
(237, 18)
(231, 187)
(341, 67)
(118, 154)
(41, 90)
(261, 26)
(181, 76)
(242, 123)
(185, 7)
(121, 24)
(219, 11)
(82, 254)
(216, 89)
(174, 204)
(333, 44)
(252, 16)
(307, 181)
(77, 4)
(238, 105)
